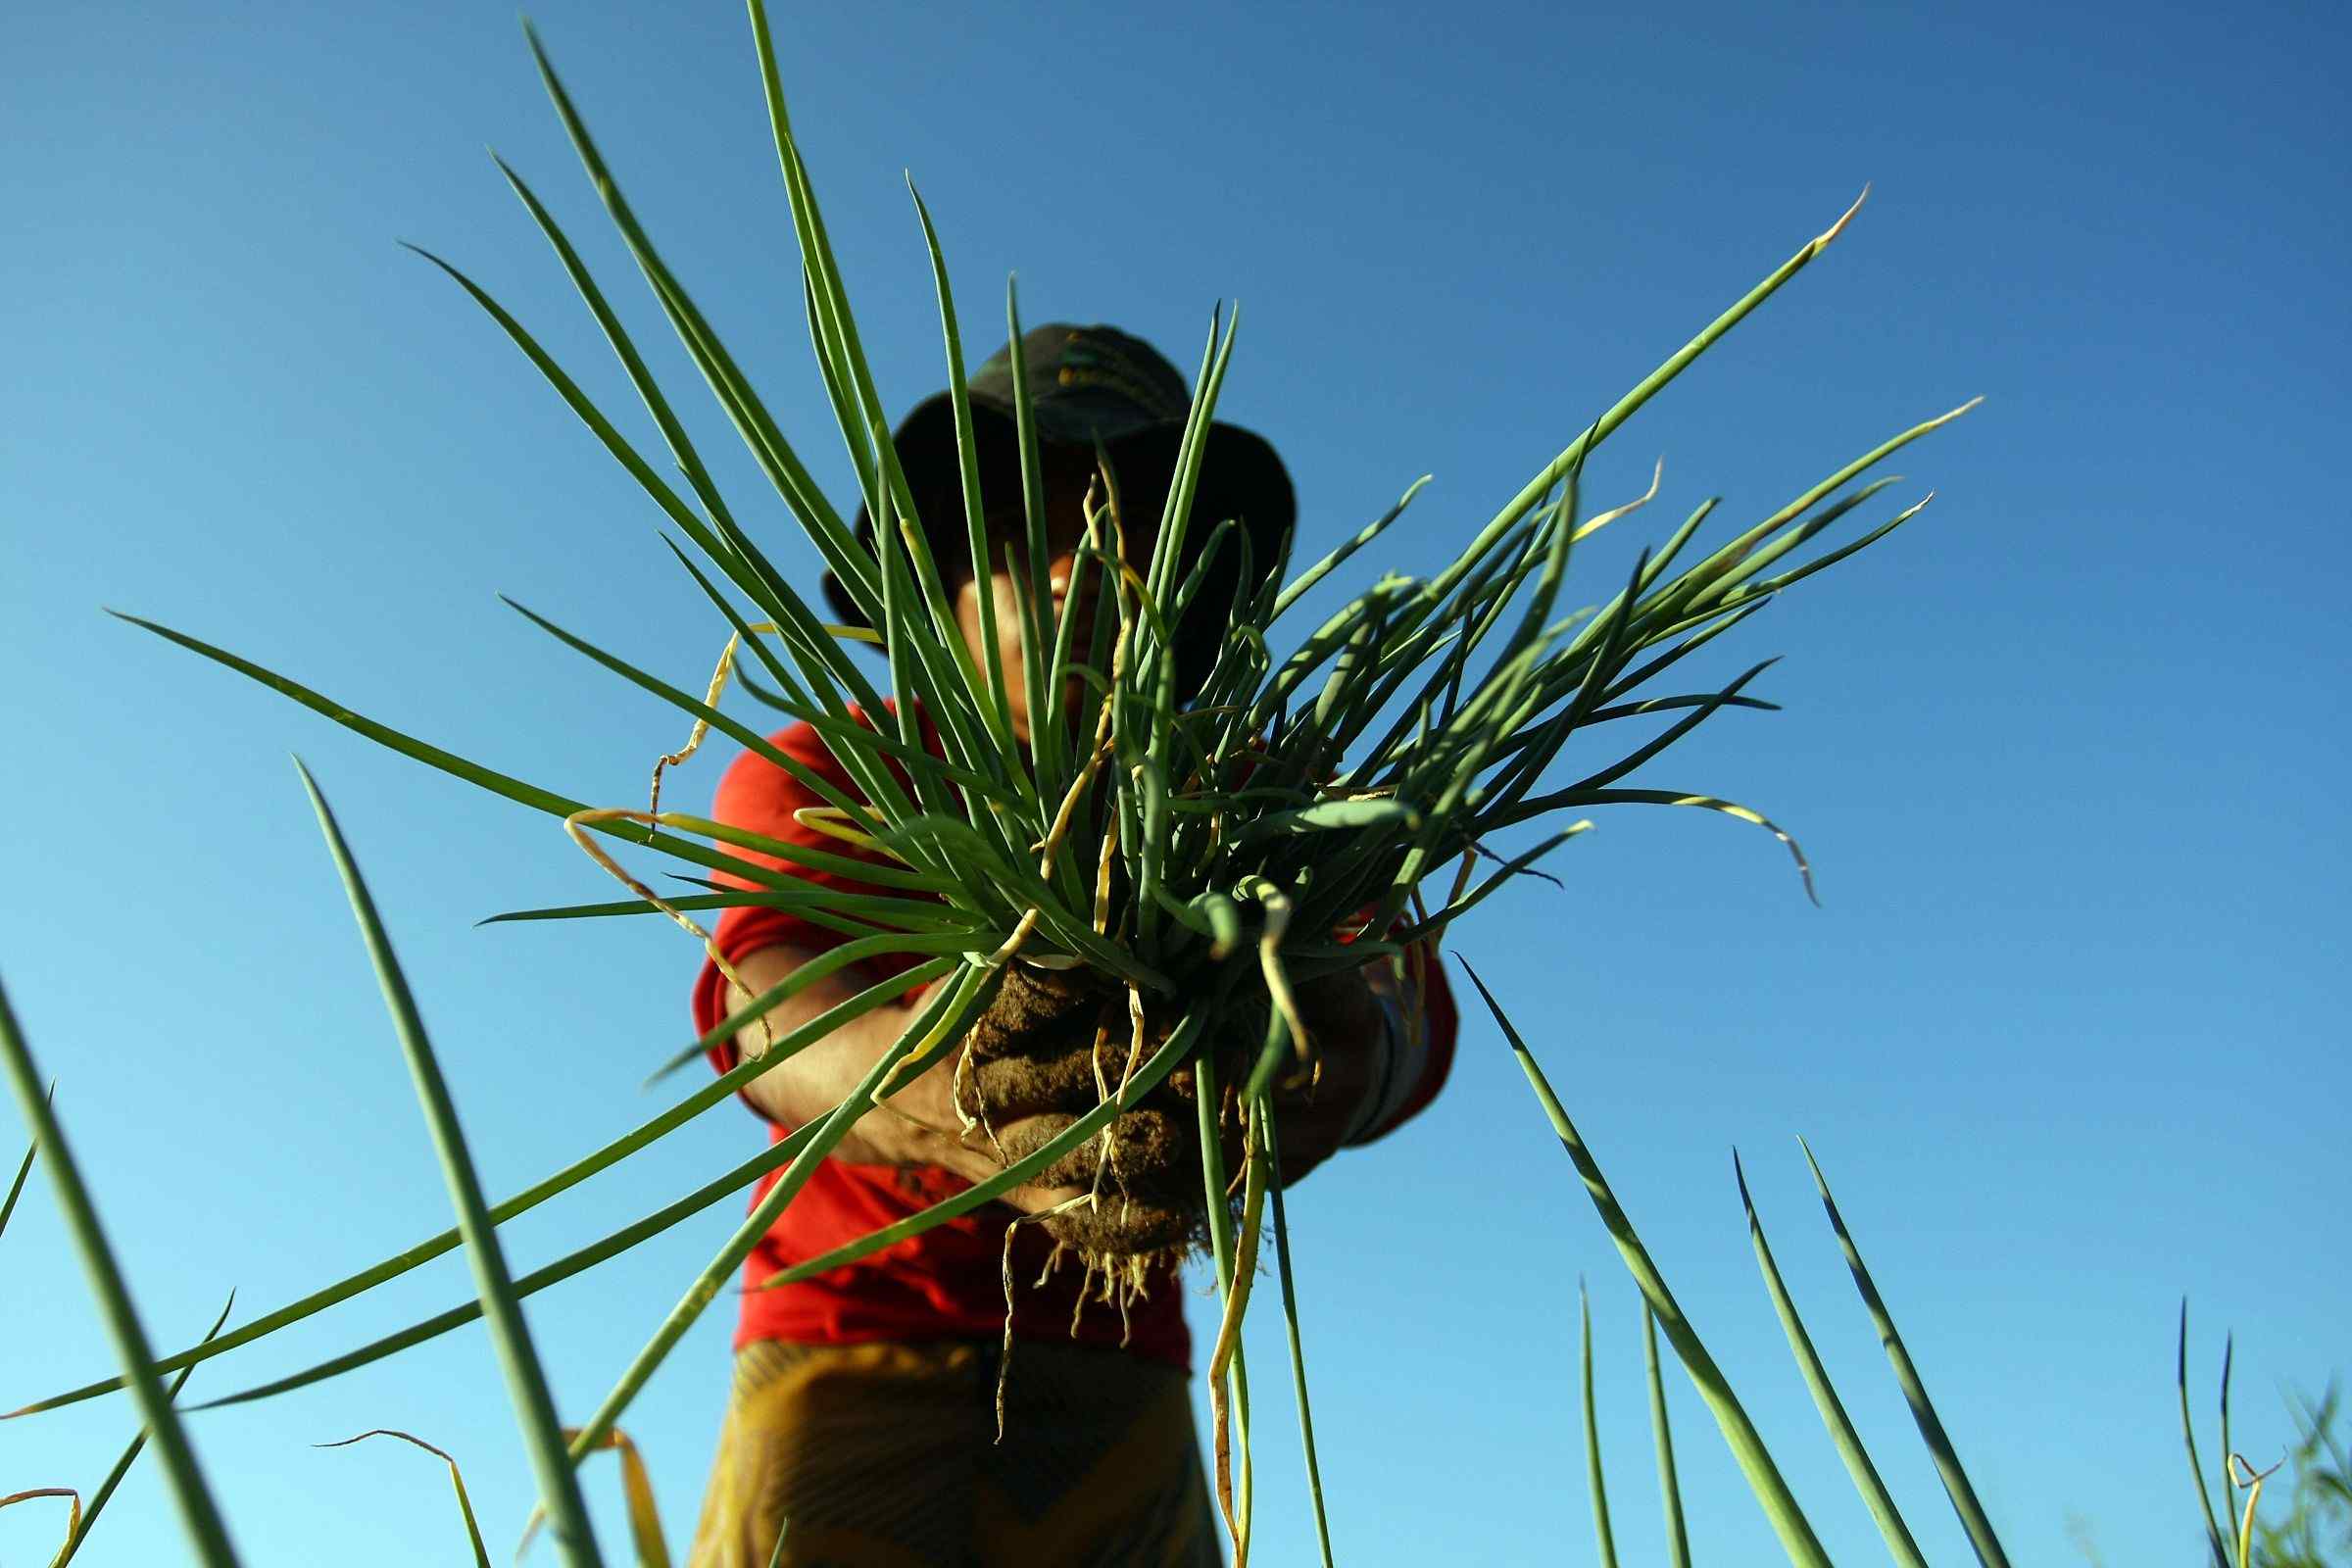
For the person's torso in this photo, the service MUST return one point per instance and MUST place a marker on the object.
(950, 1281)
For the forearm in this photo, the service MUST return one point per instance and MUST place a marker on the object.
(1398, 1039)
(810, 1084)
(917, 1125)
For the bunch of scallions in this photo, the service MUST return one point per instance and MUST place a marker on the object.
(1198, 849)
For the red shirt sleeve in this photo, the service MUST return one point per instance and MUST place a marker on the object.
(760, 797)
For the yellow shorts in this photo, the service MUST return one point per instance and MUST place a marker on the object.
(884, 1455)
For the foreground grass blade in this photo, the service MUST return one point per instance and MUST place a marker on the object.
(925, 1032)
(1755, 1461)
(527, 1383)
(636, 1489)
(73, 1506)
(1900, 1544)
(1915, 1393)
(718, 1089)
(2230, 1355)
(1670, 1490)
(1290, 1315)
(1704, 803)
(1571, 456)
(473, 1531)
(131, 1454)
(17, 1187)
(496, 783)
(2196, 1466)
(1605, 1537)
(734, 1181)
(207, 1533)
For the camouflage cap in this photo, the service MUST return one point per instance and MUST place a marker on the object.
(1086, 384)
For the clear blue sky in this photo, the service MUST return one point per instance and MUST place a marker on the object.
(2067, 752)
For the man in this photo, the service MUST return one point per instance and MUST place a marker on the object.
(863, 1426)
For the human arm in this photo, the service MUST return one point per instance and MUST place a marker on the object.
(1383, 1036)
(917, 1125)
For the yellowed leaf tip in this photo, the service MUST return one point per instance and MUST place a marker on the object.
(1822, 241)
(1657, 476)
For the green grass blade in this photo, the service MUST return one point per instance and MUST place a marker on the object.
(1675, 732)
(473, 1531)
(526, 1384)
(1661, 704)
(1536, 488)
(1956, 1484)
(2229, 1354)
(17, 1187)
(1046, 741)
(1755, 1461)
(1298, 586)
(1434, 928)
(1602, 1535)
(1703, 631)
(496, 783)
(1612, 630)
(208, 1535)
(662, 1219)
(775, 455)
(673, 434)
(740, 624)
(650, 1225)
(735, 551)
(1772, 585)
(1813, 497)
(957, 696)
(530, 795)
(868, 909)
(721, 1088)
(1707, 585)
(929, 1032)
(742, 734)
(1900, 1544)
(580, 403)
(967, 454)
(1222, 1374)
(1176, 515)
(841, 354)
(1670, 1488)
(1290, 1317)
(702, 1198)
(838, 344)
(637, 1491)
(1627, 797)
(2196, 1465)
(131, 1454)
(31, 1493)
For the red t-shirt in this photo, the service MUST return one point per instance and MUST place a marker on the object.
(946, 1283)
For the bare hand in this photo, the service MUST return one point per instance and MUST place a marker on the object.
(917, 1123)
(1043, 1053)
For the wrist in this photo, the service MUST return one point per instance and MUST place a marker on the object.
(1399, 1055)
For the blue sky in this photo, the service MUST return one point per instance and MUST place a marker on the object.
(2067, 1032)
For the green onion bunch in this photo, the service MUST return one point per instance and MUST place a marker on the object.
(1207, 850)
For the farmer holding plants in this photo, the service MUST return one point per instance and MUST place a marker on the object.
(864, 1421)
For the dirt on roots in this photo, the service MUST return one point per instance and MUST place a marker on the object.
(1048, 1050)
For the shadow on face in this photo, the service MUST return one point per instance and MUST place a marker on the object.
(1142, 469)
